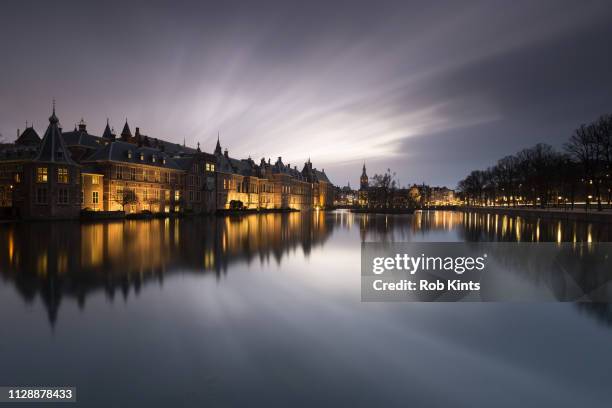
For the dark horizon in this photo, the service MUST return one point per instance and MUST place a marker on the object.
(431, 91)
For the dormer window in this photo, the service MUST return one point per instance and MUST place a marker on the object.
(141, 156)
(153, 158)
(129, 153)
(164, 160)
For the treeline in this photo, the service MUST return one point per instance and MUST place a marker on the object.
(544, 177)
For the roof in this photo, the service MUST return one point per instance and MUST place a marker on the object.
(119, 151)
(321, 176)
(126, 130)
(29, 137)
(82, 138)
(108, 134)
(52, 148)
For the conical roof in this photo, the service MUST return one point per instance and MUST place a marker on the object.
(108, 134)
(126, 130)
(52, 148)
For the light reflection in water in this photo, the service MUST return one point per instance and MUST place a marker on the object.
(72, 259)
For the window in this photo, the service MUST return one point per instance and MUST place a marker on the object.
(198, 196)
(145, 194)
(190, 195)
(95, 180)
(62, 196)
(94, 197)
(129, 154)
(17, 178)
(153, 158)
(41, 174)
(157, 177)
(177, 195)
(62, 175)
(41, 195)
(141, 156)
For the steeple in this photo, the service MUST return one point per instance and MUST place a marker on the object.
(108, 134)
(363, 180)
(126, 133)
(218, 147)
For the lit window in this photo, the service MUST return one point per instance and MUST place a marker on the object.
(95, 180)
(177, 195)
(41, 175)
(129, 154)
(62, 175)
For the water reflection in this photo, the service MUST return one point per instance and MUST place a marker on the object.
(56, 260)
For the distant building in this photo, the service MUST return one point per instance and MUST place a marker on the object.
(383, 196)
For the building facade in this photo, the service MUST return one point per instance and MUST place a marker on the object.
(65, 173)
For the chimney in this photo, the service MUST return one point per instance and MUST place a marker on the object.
(137, 131)
(226, 154)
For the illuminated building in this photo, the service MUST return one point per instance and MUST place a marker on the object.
(68, 172)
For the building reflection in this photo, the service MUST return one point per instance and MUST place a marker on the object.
(60, 259)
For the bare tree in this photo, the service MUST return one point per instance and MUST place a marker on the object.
(124, 197)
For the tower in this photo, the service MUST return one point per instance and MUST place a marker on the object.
(363, 180)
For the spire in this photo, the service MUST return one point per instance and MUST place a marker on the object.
(218, 147)
(125, 133)
(199, 147)
(53, 119)
(107, 134)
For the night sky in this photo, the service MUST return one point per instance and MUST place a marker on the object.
(430, 89)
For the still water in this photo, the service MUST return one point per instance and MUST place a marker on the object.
(265, 310)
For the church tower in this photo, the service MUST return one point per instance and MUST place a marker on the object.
(363, 180)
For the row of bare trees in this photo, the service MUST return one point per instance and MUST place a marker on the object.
(542, 176)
